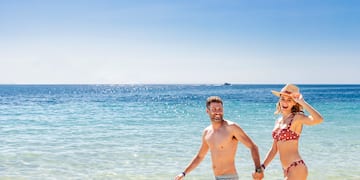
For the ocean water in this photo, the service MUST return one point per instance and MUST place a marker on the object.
(140, 132)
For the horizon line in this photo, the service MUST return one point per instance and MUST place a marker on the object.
(224, 84)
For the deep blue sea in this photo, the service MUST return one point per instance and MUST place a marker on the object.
(140, 132)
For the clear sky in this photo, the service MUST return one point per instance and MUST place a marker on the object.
(179, 41)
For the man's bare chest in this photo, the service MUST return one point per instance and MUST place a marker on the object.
(219, 139)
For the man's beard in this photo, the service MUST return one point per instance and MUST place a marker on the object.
(218, 118)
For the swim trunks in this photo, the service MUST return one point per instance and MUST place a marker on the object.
(227, 177)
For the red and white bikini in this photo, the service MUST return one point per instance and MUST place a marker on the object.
(287, 134)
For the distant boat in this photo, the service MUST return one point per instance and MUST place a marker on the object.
(227, 84)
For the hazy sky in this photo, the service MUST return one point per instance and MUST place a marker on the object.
(179, 41)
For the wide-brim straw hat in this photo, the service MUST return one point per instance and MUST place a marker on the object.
(288, 89)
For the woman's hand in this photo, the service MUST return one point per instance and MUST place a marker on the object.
(297, 97)
(179, 177)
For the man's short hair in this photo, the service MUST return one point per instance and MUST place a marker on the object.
(212, 99)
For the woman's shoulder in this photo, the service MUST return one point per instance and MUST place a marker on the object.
(278, 120)
(299, 115)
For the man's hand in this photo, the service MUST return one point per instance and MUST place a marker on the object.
(258, 176)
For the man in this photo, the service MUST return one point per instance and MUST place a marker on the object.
(222, 137)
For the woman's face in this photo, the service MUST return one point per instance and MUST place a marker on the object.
(286, 103)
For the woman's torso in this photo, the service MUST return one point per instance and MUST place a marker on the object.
(287, 140)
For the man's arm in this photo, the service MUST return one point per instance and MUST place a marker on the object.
(197, 158)
(244, 139)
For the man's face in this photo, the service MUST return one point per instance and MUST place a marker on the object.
(215, 111)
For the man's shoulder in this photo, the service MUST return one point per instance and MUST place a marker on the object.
(232, 126)
(230, 123)
(207, 128)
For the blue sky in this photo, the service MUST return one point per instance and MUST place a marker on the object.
(188, 41)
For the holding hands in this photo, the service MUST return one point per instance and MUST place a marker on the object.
(258, 174)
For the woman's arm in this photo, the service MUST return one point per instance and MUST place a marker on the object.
(314, 117)
(271, 154)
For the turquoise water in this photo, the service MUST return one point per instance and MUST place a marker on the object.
(153, 131)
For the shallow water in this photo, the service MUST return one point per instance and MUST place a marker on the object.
(153, 131)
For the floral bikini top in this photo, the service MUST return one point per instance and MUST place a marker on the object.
(285, 134)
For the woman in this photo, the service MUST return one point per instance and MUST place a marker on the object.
(287, 131)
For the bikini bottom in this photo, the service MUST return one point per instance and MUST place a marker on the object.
(294, 164)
